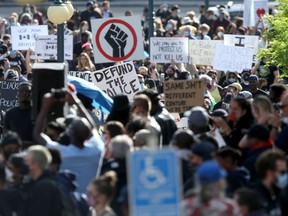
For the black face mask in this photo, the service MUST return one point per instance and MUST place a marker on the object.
(171, 75)
(246, 77)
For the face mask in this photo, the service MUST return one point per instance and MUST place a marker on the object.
(285, 119)
(171, 75)
(84, 28)
(246, 77)
(231, 80)
(186, 33)
(169, 26)
(204, 33)
(220, 34)
(27, 10)
(91, 201)
(13, 23)
(198, 37)
(282, 181)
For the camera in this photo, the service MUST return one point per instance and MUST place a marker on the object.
(58, 93)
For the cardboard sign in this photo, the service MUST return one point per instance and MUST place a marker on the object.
(154, 183)
(8, 94)
(46, 47)
(164, 50)
(231, 58)
(202, 52)
(24, 37)
(118, 39)
(81, 74)
(182, 95)
(118, 79)
(253, 10)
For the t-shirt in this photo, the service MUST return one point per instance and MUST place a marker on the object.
(19, 120)
(85, 162)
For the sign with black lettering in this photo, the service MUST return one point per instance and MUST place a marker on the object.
(182, 95)
(24, 37)
(8, 94)
(118, 79)
(81, 74)
(165, 50)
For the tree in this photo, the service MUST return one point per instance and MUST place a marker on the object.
(277, 37)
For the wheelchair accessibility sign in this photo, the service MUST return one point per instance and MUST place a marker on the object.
(154, 180)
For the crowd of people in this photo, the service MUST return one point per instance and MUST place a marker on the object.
(232, 152)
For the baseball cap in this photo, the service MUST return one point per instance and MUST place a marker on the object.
(246, 94)
(209, 172)
(11, 75)
(90, 4)
(3, 49)
(253, 77)
(204, 149)
(11, 138)
(198, 117)
(260, 132)
(246, 70)
(220, 113)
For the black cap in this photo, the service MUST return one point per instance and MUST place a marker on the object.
(204, 149)
(11, 138)
(220, 113)
(260, 132)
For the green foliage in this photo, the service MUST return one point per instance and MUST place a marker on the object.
(277, 36)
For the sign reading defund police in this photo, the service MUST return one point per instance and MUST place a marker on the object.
(8, 94)
(182, 95)
(118, 79)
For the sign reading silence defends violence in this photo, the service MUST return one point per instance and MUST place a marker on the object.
(182, 95)
(164, 50)
(118, 79)
(117, 39)
(8, 94)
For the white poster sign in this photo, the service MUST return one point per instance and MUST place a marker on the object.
(118, 79)
(232, 58)
(165, 50)
(46, 47)
(117, 39)
(24, 37)
(202, 52)
(81, 74)
(253, 10)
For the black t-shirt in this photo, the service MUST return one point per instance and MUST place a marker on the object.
(19, 120)
(10, 202)
(88, 15)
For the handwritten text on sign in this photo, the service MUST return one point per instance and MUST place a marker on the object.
(24, 37)
(81, 74)
(118, 79)
(181, 96)
(202, 52)
(164, 50)
(8, 94)
(230, 58)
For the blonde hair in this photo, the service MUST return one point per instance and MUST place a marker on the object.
(192, 29)
(89, 63)
(262, 105)
(40, 155)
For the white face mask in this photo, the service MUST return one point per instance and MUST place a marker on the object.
(232, 80)
(285, 119)
(282, 181)
(84, 28)
(220, 34)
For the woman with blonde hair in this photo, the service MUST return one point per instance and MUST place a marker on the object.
(83, 27)
(84, 63)
(100, 193)
(262, 110)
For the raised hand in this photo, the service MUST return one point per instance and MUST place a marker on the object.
(117, 39)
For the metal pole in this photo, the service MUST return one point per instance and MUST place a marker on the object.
(60, 42)
(206, 4)
(150, 20)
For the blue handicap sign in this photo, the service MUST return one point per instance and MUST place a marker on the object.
(154, 180)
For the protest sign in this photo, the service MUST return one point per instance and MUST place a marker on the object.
(164, 50)
(254, 10)
(118, 79)
(232, 58)
(81, 74)
(24, 37)
(182, 95)
(46, 47)
(118, 39)
(202, 52)
(243, 41)
(8, 94)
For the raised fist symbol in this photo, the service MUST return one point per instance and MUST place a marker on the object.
(117, 39)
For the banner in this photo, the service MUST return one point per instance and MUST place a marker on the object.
(118, 39)
(46, 47)
(81, 74)
(118, 79)
(181, 96)
(202, 52)
(164, 50)
(24, 37)
(253, 10)
(8, 94)
(231, 58)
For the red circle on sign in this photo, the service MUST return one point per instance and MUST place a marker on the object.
(100, 47)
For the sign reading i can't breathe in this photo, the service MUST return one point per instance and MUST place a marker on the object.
(182, 95)
(24, 37)
(117, 39)
(8, 94)
(118, 79)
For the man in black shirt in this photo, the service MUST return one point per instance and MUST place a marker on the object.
(89, 14)
(254, 84)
